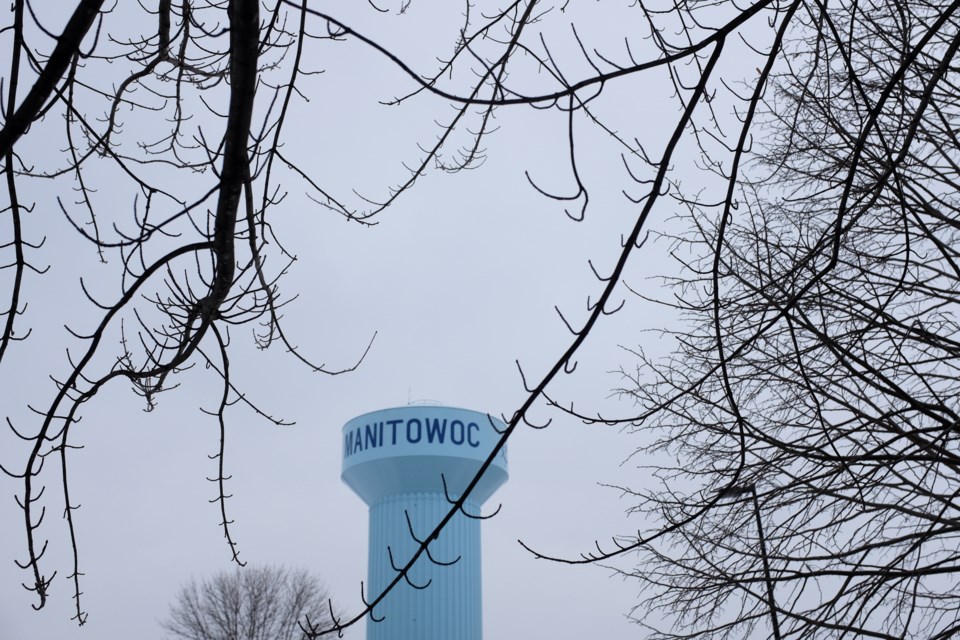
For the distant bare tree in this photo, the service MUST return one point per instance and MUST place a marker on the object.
(252, 603)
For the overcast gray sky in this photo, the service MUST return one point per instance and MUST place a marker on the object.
(458, 280)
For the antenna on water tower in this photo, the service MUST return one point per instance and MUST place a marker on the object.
(397, 460)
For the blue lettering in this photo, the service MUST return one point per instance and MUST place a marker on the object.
(436, 430)
(348, 445)
(393, 424)
(410, 424)
(453, 432)
(357, 441)
(470, 429)
(371, 440)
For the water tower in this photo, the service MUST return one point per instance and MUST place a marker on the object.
(397, 461)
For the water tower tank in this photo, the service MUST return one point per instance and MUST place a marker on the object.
(397, 460)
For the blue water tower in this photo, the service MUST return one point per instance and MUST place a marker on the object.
(398, 461)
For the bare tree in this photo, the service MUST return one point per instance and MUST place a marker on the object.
(253, 603)
(811, 410)
(178, 111)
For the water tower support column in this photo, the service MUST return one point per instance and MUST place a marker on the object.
(450, 605)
